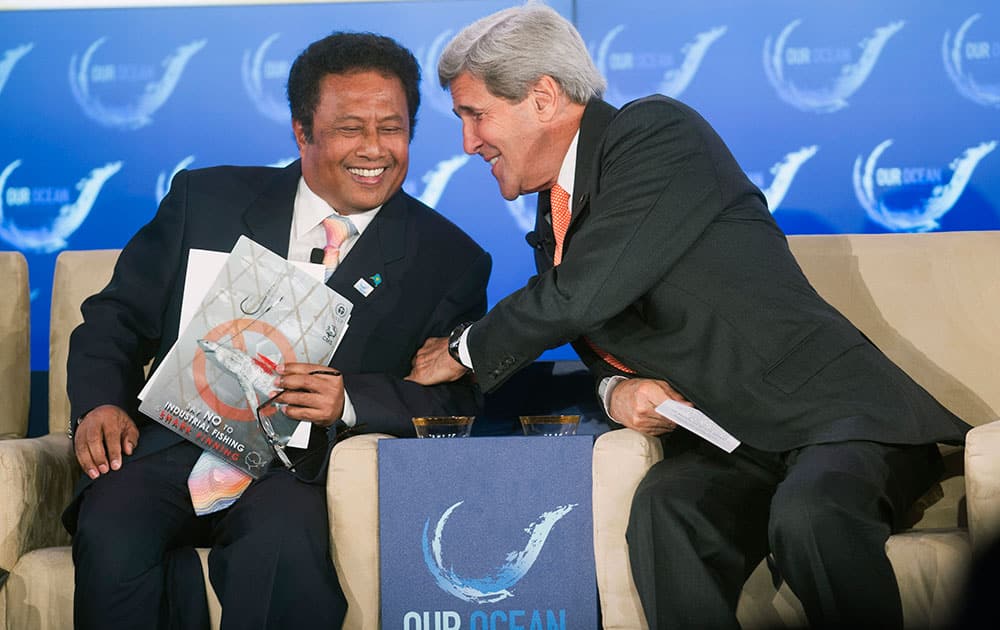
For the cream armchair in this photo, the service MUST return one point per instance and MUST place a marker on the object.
(15, 364)
(38, 474)
(930, 302)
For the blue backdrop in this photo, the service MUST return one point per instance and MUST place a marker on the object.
(851, 116)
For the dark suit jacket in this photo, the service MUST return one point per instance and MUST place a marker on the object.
(433, 277)
(674, 265)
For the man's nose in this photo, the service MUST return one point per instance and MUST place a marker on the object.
(470, 140)
(371, 144)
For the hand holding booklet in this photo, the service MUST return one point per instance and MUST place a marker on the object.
(215, 385)
(698, 423)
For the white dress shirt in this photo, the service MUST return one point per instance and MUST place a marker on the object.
(307, 233)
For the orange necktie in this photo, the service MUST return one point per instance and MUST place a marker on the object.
(559, 199)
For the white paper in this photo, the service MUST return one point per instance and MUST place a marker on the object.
(203, 267)
(698, 423)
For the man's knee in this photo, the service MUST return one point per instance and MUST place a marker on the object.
(825, 512)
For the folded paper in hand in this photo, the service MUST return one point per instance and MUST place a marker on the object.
(698, 423)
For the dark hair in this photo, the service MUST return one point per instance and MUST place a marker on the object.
(344, 53)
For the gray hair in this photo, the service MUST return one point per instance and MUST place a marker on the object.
(511, 49)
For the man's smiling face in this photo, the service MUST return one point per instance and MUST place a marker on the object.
(359, 151)
(510, 136)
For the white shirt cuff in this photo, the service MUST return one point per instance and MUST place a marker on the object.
(608, 385)
(349, 417)
(463, 349)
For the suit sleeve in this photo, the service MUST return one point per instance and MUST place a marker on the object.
(122, 325)
(386, 403)
(656, 192)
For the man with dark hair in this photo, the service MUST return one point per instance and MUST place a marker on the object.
(659, 259)
(354, 101)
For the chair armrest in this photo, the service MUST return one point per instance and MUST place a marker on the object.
(620, 461)
(352, 505)
(982, 483)
(37, 476)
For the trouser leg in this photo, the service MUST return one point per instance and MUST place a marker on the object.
(270, 565)
(697, 529)
(830, 519)
(128, 525)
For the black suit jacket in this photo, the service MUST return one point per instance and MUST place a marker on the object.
(433, 277)
(674, 265)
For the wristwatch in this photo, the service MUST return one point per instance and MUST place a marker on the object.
(453, 342)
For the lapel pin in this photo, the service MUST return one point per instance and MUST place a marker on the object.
(376, 279)
(363, 287)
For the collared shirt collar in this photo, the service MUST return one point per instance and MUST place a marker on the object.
(567, 172)
(311, 209)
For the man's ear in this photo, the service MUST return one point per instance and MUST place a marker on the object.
(546, 95)
(300, 134)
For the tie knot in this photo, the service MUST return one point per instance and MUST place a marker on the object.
(559, 198)
(338, 229)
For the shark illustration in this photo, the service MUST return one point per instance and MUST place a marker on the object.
(9, 59)
(497, 585)
(154, 95)
(675, 80)
(70, 217)
(255, 376)
(851, 78)
(925, 215)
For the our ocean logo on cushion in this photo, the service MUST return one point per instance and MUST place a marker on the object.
(265, 77)
(913, 198)
(633, 73)
(821, 77)
(41, 218)
(9, 59)
(499, 583)
(970, 56)
(125, 95)
(782, 175)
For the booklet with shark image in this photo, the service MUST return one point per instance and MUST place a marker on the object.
(214, 386)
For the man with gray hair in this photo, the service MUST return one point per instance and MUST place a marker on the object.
(659, 260)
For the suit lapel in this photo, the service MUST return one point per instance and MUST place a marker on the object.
(382, 242)
(596, 118)
(269, 216)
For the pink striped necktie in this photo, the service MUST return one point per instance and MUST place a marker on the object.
(338, 230)
(559, 199)
(214, 484)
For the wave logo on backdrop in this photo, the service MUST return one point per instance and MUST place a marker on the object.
(163, 180)
(496, 585)
(46, 235)
(781, 60)
(259, 72)
(9, 59)
(783, 172)
(913, 199)
(979, 52)
(675, 78)
(436, 180)
(85, 76)
(430, 90)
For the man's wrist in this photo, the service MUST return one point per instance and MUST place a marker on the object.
(458, 345)
(605, 389)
